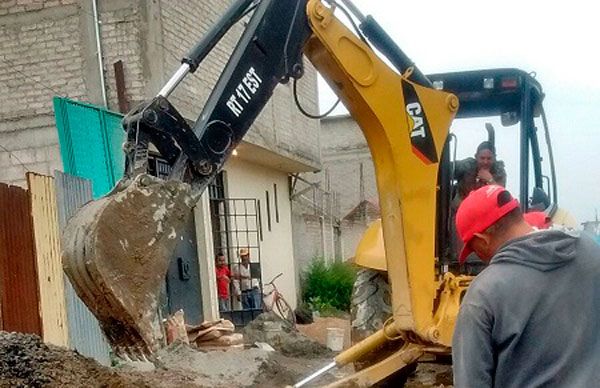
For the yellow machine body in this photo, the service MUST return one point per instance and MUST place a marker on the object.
(405, 126)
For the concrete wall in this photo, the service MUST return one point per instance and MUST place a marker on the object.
(346, 161)
(48, 48)
(314, 236)
(344, 150)
(249, 180)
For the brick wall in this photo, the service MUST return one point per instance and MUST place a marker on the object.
(39, 58)
(344, 150)
(122, 39)
(47, 48)
(314, 237)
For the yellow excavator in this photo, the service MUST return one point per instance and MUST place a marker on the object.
(116, 249)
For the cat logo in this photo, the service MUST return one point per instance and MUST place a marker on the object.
(420, 132)
(415, 111)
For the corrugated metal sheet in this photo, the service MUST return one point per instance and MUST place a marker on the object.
(85, 334)
(49, 264)
(18, 275)
(90, 143)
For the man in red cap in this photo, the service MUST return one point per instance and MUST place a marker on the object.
(531, 317)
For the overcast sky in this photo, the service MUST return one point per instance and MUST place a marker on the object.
(557, 40)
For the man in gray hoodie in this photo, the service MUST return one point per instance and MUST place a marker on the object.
(532, 317)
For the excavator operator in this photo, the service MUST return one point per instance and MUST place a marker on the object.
(483, 169)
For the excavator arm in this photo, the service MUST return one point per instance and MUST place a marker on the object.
(269, 52)
(116, 249)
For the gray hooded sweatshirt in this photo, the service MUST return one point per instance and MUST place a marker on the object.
(532, 317)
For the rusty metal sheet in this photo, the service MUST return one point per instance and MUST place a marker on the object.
(19, 297)
(85, 334)
(49, 264)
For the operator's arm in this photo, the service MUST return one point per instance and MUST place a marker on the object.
(472, 352)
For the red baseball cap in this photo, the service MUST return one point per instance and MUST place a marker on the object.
(480, 210)
(538, 219)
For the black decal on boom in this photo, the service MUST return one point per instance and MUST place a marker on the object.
(420, 132)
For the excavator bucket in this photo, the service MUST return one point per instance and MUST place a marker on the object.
(116, 251)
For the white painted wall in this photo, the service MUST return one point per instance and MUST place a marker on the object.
(249, 180)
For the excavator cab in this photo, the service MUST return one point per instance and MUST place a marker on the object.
(504, 107)
(508, 104)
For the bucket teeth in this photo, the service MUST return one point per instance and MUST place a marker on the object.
(116, 252)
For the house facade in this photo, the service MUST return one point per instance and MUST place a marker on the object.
(118, 53)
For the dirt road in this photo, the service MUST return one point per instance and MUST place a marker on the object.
(25, 361)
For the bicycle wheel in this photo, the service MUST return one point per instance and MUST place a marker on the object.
(285, 311)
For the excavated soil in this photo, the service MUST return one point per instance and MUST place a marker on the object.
(25, 361)
(269, 328)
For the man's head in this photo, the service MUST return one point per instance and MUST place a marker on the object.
(486, 219)
(485, 155)
(245, 255)
(220, 259)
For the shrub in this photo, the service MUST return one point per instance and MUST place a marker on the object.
(328, 286)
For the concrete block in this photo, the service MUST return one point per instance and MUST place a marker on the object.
(41, 154)
(23, 156)
(11, 174)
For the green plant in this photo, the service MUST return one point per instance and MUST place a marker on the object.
(328, 286)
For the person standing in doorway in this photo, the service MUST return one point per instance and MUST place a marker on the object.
(223, 281)
(248, 286)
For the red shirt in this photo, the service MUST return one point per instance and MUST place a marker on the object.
(223, 284)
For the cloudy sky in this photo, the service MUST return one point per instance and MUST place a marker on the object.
(558, 41)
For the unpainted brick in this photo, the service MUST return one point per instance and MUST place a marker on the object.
(8, 3)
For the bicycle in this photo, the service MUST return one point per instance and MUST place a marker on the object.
(278, 303)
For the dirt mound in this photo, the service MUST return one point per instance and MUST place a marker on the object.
(269, 328)
(217, 368)
(25, 361)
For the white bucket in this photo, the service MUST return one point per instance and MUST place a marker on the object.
(335, 339)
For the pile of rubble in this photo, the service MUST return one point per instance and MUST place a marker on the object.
(269, 328)
(25, 361)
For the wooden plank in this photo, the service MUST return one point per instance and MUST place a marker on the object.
(121, 89)
(19, 298)
(48, 259)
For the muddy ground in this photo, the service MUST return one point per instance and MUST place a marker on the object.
(25, 361)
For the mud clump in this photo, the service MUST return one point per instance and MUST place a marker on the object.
(25, 361)
(270, 328)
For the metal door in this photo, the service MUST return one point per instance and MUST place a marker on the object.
(235, 226)
(183, 277)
